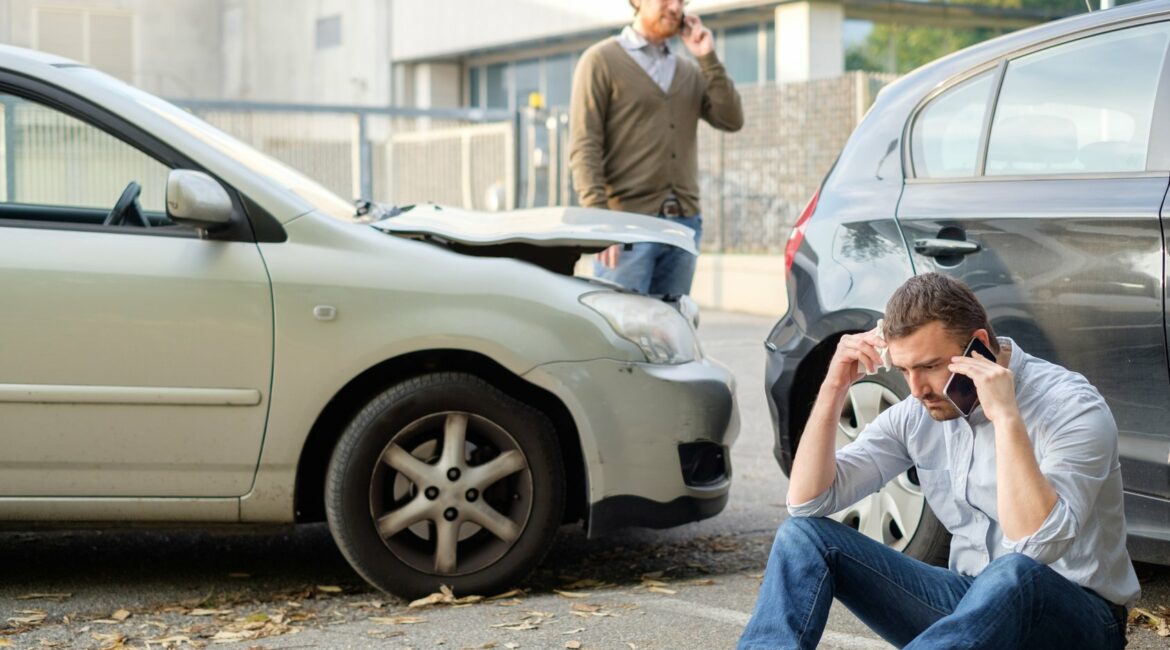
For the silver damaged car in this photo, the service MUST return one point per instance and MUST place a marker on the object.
(193, 332)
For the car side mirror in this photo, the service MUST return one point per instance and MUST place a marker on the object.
(198, 200)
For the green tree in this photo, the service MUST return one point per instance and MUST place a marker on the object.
(891, 47)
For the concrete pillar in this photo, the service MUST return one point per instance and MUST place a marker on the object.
(437, 85)
(809, 41)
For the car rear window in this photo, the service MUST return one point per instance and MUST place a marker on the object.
(945, 138)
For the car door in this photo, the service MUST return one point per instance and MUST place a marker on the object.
(1039, 182)
(135, 359)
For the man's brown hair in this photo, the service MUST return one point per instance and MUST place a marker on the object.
(931, 297)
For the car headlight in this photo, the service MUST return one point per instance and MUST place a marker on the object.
(660, 331)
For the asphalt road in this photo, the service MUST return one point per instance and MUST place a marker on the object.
(689, 587)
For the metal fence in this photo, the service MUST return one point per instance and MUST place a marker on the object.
(753, 183)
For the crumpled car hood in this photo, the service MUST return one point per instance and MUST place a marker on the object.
(583, 229)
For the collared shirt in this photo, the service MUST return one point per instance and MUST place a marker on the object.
(1075, 441)
(658, 61)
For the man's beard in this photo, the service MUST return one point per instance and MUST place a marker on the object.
(663, 29)
(940, 410)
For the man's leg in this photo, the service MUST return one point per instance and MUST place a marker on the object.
(634, 269)
(1019, 603)
(815, 559)
(674, 268)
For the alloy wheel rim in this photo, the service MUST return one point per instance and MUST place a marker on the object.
(892, 514)
(451, 493)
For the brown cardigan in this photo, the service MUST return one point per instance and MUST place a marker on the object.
(631, 144)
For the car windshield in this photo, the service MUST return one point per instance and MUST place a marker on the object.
(306, 188)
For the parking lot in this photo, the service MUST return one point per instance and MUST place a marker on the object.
(690, 587)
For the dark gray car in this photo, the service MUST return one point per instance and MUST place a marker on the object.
(1034, 167)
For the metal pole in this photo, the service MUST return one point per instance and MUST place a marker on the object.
(722, 192)
(554, 155)
(366, 155)
(9, 150)
(516, 151)
(1106, 4)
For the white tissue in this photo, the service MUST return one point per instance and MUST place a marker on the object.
(883, 352)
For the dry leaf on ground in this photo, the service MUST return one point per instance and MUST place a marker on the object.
(210, 612)
(1158, 624)
(30, 617)
(444, 597)
(39, 596)
(329, 589)
(573, 645)
(512, 593)
(573, 594)
(168, 641)
(110, 641)
(397, 620)
(120, 615)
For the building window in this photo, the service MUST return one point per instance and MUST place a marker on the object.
(473, 88)
(526, 75)
(742, 54)
(497, 85)
(102, 39)
(558, 74)
(508, 84)
(328, 32)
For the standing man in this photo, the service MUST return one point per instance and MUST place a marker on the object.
(1029, 485)
(632, 135)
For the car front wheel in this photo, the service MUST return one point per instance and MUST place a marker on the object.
(445, 480)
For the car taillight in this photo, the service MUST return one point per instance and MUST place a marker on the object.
(797, 235)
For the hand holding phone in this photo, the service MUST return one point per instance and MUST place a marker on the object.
(960, 389)
(695, 36)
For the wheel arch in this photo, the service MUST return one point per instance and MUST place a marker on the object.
(810, 371)
(309, 501)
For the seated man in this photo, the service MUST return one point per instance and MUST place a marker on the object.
(1029, 485)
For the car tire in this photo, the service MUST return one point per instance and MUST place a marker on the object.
(411, 514)
(897, 514)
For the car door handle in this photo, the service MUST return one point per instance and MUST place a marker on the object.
(942, 247)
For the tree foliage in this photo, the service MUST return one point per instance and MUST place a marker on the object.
(891, 47)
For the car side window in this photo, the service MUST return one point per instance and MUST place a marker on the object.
(54, 167)
(945, 138)
(1079, 107)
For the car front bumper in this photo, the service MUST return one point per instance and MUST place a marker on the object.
(656, 439)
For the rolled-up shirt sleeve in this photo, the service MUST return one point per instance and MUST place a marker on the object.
(863, 466)
(1078, 451)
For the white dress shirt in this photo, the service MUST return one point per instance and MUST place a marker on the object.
(1075, 441)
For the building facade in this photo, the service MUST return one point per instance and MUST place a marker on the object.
(445, 53)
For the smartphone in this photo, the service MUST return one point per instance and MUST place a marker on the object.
(682, 24)
(960, 390)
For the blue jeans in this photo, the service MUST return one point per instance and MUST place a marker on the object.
(1015, 603)
(656, 269)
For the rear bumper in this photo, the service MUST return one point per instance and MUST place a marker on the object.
(786, 347)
